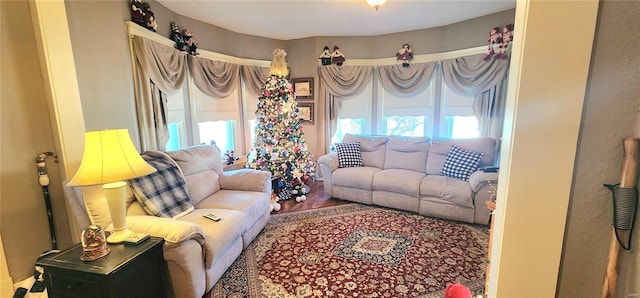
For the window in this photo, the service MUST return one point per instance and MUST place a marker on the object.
(408, 116)
(355, 115)
(216, 119)
(177, 120)
(458, 118)
(436, 112)
(197, 118)
(250, 105)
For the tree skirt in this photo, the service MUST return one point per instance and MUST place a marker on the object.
(357, 251)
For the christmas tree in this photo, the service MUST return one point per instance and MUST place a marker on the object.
(279, 145)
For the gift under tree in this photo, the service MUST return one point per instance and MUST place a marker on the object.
(279, 145)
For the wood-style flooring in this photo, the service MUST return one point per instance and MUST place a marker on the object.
(315, 199)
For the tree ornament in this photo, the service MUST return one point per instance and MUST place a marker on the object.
(278, 64)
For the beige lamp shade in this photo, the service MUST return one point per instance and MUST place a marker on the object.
(109, 156)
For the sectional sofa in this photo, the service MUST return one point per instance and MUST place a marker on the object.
(197, 250)
(407, 173)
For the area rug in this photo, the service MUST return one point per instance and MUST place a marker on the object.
(356, 250)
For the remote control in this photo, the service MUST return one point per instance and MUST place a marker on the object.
(490, 169)
(212, 217)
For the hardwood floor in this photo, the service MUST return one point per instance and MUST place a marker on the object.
(315, 199)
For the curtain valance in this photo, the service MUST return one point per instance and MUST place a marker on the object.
(345, 80)
(164, 65)
(406, 81)
(254, 77)
(214, 78)
(471, 75)
(487, 82)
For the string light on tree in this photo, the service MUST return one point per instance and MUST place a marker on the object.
(279, 145)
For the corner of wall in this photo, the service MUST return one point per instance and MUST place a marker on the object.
(6, 282)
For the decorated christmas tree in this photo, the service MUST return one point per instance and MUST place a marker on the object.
(279, 145)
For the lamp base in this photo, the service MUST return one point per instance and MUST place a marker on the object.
(119, 236)
(116, 199)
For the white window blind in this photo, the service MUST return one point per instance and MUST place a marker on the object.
(177, 122)
(418, 105)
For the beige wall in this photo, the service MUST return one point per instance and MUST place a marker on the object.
(26, 131)
(611, 113)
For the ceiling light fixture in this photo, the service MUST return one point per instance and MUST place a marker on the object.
(376, 3)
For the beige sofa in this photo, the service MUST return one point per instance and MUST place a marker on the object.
(197, 250)
(405, 173)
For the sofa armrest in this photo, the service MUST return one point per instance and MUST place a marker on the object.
(171, 230)
(330, 160)
(246, 179)
(479, 179)
(327, 164)
(483, 186)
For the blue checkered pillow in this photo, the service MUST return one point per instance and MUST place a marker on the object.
(163, 193)
(349, 155)
(460, 163)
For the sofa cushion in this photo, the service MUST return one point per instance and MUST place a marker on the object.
(349, 155)
(440, 149)
(460, 163)
(201, 166)
(372, 147)
(202, 184)
(449, 189)
(360, 177)
(409, 153)
(399, 181)
(197, 159)
(251, 204)
(164, 192)
(217, 234)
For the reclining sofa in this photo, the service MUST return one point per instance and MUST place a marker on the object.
(407, 173)
(197, 250)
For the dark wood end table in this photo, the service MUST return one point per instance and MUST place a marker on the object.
(128, 271)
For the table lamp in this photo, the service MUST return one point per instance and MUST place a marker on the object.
(110, 158)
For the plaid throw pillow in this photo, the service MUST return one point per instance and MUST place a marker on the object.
(460, 163)
(163, 193)
(349, 155)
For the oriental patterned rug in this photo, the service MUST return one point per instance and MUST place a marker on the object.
(356, 250)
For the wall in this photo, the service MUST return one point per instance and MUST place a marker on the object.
(611, 113)
(26, 132)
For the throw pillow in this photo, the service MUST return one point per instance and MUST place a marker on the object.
(349, 155)
(163, 193)
(460, 163)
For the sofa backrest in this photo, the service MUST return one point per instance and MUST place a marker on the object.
(419, 154)
(373, 148)
(201, 166)
(408, 153)
(440, 149)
